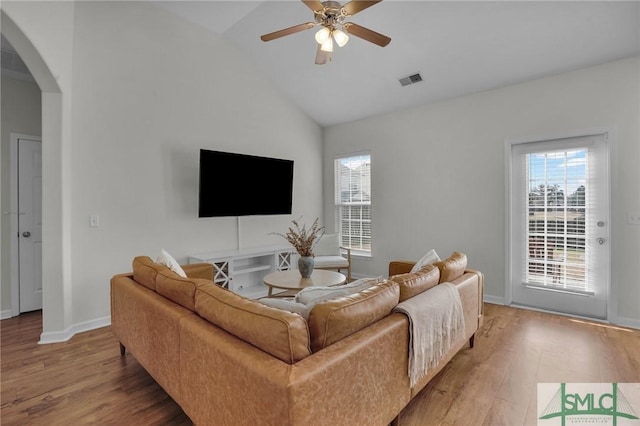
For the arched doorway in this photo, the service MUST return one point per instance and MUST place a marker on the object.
(55, 269)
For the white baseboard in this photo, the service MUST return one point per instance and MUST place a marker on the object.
(627, 322)
(494, 299)
(5, 314)
(63, 336)
(564, 314)
(618, 321)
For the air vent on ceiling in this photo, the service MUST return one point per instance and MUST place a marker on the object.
(414, 78)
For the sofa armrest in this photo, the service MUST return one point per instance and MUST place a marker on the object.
(480, 294)
(199, 270)
(397, 267)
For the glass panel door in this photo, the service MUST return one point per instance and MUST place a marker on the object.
(559, 234)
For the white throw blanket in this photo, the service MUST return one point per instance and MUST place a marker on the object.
(436, 322)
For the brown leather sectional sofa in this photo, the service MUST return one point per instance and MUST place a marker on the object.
(227, 360)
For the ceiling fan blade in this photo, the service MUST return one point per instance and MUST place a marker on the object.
(355, 6)
(313, 4)
(323, 57)
(287, 31)
(367, 34)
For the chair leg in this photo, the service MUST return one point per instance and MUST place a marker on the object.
(472, 340)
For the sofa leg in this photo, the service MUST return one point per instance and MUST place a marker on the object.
(472, 340)
(123, 350)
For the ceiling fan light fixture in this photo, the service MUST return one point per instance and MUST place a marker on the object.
(330, 16)
(323, 35)
(327, 46)
(340, 37)
(322, 57)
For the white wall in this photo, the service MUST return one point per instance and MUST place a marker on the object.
(147, 91)
(20, 114)
(438, 177)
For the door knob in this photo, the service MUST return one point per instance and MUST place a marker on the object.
(26, 234)
(600, 240)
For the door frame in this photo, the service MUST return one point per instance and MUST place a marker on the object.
(609, 133)
(13, 211)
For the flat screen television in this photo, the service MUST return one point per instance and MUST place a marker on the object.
(242, 185)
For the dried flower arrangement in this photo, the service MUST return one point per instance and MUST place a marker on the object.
(301, 239)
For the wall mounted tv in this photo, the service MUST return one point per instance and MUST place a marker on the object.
(242, 185)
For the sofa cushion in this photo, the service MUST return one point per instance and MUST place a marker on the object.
(412, 284)
(429, 258)
(177, 289)
(336, 319)
(145, 271)
(452, 267)
(280, 333)
(323, 261)
(327, 245)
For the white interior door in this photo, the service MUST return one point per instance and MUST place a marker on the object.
(559, 233)
(30, 223)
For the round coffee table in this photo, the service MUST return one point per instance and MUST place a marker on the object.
(292, 280)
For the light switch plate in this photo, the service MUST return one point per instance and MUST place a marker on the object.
(634, 219)
(94, 221)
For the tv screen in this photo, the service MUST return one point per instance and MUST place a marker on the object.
(241, 185)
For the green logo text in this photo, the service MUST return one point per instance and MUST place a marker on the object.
(564, 404)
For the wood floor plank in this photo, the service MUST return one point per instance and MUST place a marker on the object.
(85, 381)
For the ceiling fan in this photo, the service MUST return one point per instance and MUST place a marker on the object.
(330, 15)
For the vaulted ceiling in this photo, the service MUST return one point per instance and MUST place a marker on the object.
(458, 48)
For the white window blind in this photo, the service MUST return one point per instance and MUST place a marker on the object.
(559, 210)
(353, 201)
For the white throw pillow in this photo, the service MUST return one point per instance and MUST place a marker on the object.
(313, 295)
(427, 259)
(317, 294)
(362, 284)
(167, 260)
(287, 304)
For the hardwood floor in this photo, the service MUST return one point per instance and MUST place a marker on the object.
(85, 381)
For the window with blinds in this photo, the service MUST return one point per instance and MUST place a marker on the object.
(558, 209)
(353, 202)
